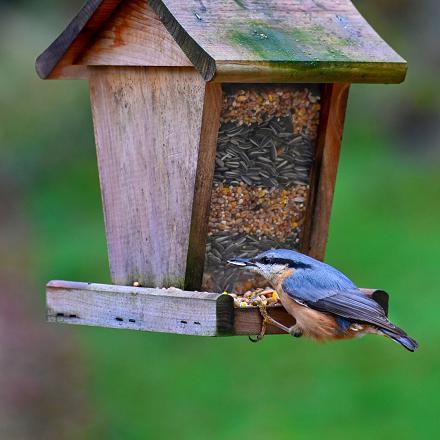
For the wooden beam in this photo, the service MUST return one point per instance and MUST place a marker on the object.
(323, 179)
(148, 128)
(161, 310)
(136, 308)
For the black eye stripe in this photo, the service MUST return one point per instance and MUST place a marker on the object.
(286, 262)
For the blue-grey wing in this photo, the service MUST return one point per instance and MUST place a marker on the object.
(324, 292)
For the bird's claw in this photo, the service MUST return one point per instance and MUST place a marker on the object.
(265, 315)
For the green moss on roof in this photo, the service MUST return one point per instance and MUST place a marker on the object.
(273, 43)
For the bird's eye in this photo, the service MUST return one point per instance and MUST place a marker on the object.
(265, 260)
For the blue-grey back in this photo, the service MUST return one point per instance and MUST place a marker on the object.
(315, 274)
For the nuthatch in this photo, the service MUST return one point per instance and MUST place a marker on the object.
(326, 304)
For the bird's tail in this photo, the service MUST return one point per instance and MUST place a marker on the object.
(398, 335)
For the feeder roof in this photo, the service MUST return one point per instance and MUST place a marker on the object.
(253, 40)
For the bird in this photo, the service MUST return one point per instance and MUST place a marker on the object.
(325, 303)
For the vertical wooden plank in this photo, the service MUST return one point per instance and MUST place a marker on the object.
(202, 194)
(333, 106)
(147, 128)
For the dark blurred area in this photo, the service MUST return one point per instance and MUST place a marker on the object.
(61, 383)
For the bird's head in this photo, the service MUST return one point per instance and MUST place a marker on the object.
(275, 264)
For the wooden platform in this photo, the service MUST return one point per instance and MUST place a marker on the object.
(160, 310)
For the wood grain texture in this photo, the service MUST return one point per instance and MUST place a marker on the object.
(160, 310)
(250, 40)
(136, 308)
(203, 186)
(134, 36)
(57, 59)
(147, 128)
(333, 106)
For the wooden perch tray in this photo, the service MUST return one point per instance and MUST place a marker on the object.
(161, 310)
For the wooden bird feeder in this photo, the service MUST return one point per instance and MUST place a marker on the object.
(218, 127)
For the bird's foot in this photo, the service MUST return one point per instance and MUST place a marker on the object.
(265, 315)
(295, 331)
(267, 319)
(260, 335)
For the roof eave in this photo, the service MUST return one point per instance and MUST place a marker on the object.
(312, 72)
(75, 36)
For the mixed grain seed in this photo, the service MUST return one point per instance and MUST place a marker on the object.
(250, 105)
(257, 211)
(254, 297)
(265, 153)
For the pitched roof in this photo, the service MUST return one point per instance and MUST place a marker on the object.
(252, 40)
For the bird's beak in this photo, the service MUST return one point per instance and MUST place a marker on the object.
(241, 262)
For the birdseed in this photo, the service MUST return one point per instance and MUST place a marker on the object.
(265, 153)
(247, 104)
(254, 297)
(257, 211)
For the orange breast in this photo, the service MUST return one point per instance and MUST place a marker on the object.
(314, 324)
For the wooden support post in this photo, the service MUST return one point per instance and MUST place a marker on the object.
(162, 310)
(148, 129)
(333, 106)
(203, 186)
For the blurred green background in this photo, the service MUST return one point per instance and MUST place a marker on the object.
(59, 382)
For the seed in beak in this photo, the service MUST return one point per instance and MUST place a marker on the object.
(241, 262)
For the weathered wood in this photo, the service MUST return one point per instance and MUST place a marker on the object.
(134, 36)
(280, 40)
(136, 308)
(147, 127)
(203, 186)
(162, 310)
(247, 41)
(57, 60)
(333, 106)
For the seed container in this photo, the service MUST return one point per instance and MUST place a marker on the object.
(265, 152)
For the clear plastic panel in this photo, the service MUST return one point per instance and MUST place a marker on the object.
(264, 157)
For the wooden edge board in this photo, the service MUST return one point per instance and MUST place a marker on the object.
(323, 178)
(307, 72)
(161, 310)
(137, 308)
